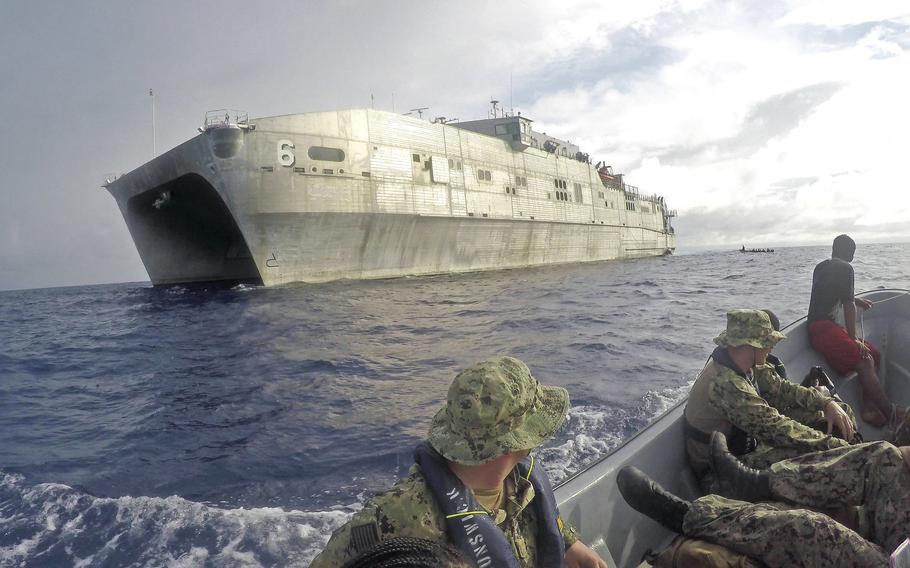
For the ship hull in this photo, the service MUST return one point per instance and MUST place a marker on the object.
(319, 247)
(225, 206)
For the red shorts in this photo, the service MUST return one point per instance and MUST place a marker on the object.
(841, 352)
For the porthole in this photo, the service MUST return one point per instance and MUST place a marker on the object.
(324, 154)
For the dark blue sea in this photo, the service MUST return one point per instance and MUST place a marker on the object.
(238, 426)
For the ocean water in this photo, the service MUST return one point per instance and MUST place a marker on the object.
(239, 426)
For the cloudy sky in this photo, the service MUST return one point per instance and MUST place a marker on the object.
(763, 122)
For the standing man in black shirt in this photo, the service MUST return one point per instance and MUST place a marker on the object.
(832, 287)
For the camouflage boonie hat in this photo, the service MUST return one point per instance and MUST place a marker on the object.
(749, 327)
(495, 407)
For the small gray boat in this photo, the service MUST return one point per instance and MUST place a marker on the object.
(591, 501)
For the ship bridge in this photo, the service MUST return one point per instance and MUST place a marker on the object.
(517, 131)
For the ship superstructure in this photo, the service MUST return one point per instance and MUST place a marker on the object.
(371, 194)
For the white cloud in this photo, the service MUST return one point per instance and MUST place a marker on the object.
(752, 116)
(844, 12)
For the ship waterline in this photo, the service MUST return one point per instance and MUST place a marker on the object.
(364, 194)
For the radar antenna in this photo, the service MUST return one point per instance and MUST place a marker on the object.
(419, 111)
(495, 110)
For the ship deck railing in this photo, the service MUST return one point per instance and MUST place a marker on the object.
(632, 192)
(225, 117)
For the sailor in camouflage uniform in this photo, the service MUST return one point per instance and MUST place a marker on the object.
(740, 395)
(495, 413)
(873, 478)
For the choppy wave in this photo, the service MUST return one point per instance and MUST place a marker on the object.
(50, 524)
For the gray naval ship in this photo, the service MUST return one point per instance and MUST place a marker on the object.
(365, 193)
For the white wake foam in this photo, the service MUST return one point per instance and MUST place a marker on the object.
(64, 526)
(595, 431)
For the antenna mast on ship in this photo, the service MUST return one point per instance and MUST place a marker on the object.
(154, 141)
(495, 110)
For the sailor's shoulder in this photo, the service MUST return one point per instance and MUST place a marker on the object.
(711, 369)
(767, 371)
(722, 373)
(833, 266)
(730, 383)
(407, 509)
(408, 502)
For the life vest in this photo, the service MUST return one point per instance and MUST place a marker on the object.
(472, 530)
(701, 418)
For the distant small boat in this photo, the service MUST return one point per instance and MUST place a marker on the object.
(744, 249)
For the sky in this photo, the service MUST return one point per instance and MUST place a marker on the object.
(764, 123)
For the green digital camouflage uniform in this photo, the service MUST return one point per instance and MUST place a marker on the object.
(409, 509)
(722, 399)
(816, 418)
(492, 408)
(779, 535)
(871, 477)
(754, 409)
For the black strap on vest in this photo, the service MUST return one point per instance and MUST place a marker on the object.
(472, 530)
